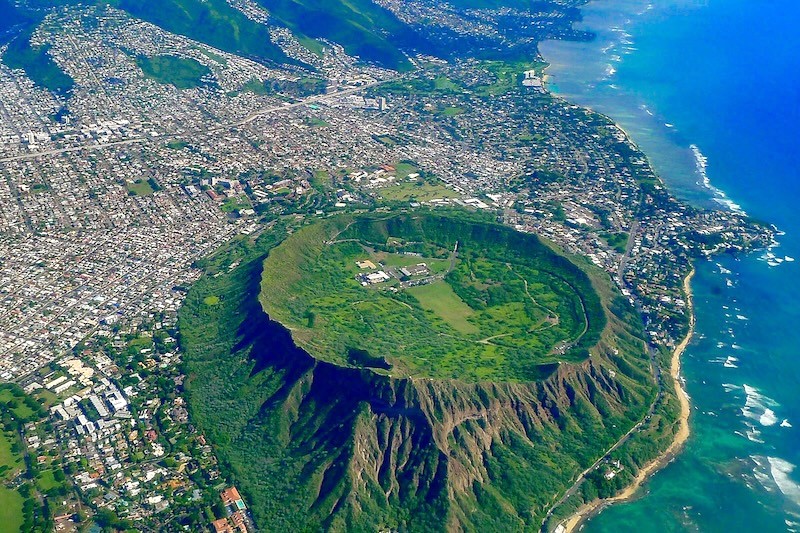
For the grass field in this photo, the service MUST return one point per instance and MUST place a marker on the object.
(419, 191)
(50, 398)
(440, 299)
(140, 187)
(47, 481)
(443, 83)
(402, 260)
(37, 64)
(452, 111)
(12, 461)
(403, 169)
(11, 516)
(22, 410)
(182, 72)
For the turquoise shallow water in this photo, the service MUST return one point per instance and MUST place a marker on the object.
(710, 90)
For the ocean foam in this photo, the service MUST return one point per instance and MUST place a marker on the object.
(753, 434)
(701, 163)
(759, 407)
(785, 423)
(761, 473)
(768, 418)
(730, 362)
(780, 470)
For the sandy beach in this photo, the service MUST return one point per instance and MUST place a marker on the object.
(587, 511)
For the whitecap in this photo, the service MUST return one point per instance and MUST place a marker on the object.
(701, 164)
(753, 435)
(730, 362)
(761, 473)
(730, 387)
(768, 418)
(759, 407)
(780, 470)
(742, 317)
(785, 423)
(788, 259)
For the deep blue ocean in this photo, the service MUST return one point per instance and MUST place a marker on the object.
(710, 91)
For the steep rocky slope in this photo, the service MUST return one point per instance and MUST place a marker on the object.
(315, 445)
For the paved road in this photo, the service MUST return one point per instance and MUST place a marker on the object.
(656, 370)
(216, 129)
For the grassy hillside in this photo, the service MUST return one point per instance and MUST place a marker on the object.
(37, 64)
(213, 22)
(321, 446)
(364, 28)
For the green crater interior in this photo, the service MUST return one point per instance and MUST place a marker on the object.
(489, 304)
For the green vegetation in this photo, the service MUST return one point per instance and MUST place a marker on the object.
(10, 459)
(256, 87)
(12, 515)
(508, 75)
(140, 187)
(312, 45)
(20, 510)
(404, 168)
(420, 86)
(445, 84)
(304, 86)
(500, 313)
(452, 111)
(418, 191)
(37, 64)
(364, 28)
(211, 55)
(441, 300)
(177, 145)
(50, 480)
(315, 122)
(232, 204)
(317, 446)
(212, 22)
(182, 72)
(211, 300)
(618, 241)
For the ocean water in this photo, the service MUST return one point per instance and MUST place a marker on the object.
(710, 91)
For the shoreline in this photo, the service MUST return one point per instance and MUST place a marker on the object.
(587, 511)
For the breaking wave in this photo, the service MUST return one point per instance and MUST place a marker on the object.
(701, 163)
